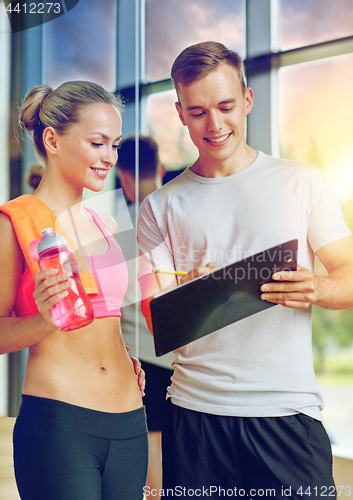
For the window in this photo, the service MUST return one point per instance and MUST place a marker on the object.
(172, 25)
(315, 109)
(316, 105)
(304, 22)
(81, 45)
(185, 22)
(175, 146)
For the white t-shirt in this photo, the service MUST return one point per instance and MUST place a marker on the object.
(261, 365)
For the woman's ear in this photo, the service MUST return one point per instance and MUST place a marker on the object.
(50, 140)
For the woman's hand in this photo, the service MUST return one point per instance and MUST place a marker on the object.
(140, 372)
(50, 288)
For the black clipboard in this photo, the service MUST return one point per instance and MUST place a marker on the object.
(206, 304)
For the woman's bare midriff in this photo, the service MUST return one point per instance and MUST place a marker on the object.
(88, 367)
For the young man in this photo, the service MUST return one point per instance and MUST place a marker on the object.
(243, 409)
(158, 370)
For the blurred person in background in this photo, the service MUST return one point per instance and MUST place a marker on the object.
(158, 369)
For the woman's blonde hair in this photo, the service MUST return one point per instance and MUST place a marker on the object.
(44, 107)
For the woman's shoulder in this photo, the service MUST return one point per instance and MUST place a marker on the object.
(20, 201)
(6, 227)
(107, 220)
(11, 260)
(9, 245)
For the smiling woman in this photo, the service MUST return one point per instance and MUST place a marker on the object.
(81, 389)
(90, 146)
(73, 115)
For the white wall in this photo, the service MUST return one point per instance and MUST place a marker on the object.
(5, 39)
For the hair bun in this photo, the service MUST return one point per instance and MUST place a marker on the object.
(32, 105)
(35, 175)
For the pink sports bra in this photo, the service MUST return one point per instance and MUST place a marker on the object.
(109, 271)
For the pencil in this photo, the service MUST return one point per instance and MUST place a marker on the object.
(164, 271)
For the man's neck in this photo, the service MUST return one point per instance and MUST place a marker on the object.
(208, 167)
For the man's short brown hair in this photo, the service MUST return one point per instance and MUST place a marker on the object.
(197, 61)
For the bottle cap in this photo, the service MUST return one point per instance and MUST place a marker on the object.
(50, 240)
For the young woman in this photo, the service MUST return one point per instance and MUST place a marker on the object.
(81, 432)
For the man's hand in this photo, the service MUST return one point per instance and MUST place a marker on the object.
(294, 289)
(298, 289)
(153, 283)
(198, 271)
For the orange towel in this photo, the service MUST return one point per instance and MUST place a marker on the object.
(29, 216)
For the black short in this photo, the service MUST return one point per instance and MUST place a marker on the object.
(215, 456)
(65, 452)
(157, 381)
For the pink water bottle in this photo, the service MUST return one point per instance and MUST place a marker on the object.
(75, 310)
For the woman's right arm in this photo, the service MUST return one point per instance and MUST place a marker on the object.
(18, 333)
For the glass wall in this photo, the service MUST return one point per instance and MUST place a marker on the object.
(312, 122)
(176, 149)
(314, 103)
(304, 22)
(316, 109)
(5, 40)
(185, 22)
(81, 45)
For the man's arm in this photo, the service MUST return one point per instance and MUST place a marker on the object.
(299, 289)
(150, 285)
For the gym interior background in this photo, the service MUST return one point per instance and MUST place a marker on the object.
(299, 62)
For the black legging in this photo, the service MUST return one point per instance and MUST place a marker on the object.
(65, 452)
